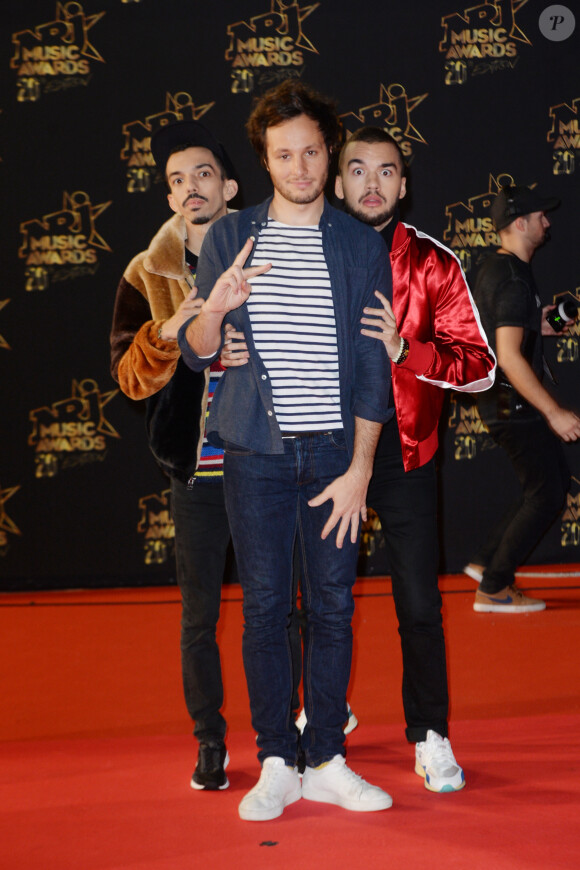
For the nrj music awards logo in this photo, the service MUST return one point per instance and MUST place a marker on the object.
(564, 136)
(157, 528)
(471, 435)
(570, 525)
(470, 229)
(7, 526)
(268, 47)
(62, 245)
(56, 54)
(482, 39)
(136, 151)
(72, 431)
(392, 112)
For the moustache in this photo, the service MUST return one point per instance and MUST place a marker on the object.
(195, 196)
(374, 193)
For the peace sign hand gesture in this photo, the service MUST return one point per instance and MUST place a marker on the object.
(232, 289)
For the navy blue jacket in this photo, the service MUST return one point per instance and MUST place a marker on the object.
(242, 411)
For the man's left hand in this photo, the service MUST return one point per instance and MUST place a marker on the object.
(348, 493)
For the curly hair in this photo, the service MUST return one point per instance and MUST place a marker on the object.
(291, 98)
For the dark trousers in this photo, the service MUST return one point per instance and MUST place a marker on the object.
(267, 499)
(538, 459)
(406, 504)
(201, 541)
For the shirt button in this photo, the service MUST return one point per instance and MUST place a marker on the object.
(264, 377)
(269, 413)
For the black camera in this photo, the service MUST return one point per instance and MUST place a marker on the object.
(564, 312)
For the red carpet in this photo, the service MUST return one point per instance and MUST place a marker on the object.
(96, 757)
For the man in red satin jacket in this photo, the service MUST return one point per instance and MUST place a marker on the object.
(434, 338)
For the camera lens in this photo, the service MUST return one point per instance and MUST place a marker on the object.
(564, 313)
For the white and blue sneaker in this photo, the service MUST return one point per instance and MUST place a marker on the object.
(435, 762)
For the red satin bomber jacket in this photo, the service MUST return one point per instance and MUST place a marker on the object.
(448, 348)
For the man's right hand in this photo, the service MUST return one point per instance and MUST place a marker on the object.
(190, 306)
(566, 424)
(232, 289)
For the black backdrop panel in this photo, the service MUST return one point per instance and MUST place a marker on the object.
(476, 95)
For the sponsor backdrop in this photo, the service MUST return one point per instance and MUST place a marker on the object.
(476, 94)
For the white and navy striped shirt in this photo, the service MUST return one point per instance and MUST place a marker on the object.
(294, 329)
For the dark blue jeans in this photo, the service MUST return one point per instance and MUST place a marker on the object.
(538, 459)
(406, 504)
(201, 540)
(267, 502)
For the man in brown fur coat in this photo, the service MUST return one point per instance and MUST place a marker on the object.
(155, 296)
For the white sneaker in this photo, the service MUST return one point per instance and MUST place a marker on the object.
(473, 571)
(278, 786)
(351, 722)
(301, 720)
(434, 760)
(335, 783)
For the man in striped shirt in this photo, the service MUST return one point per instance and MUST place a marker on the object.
(299, 424)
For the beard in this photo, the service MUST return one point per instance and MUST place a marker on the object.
(372, 220)
(304, 197)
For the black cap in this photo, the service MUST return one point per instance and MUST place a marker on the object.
(513, 202)
(192, 133)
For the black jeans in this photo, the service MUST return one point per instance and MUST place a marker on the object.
(201, 540)
(538, 459)
(406, 504)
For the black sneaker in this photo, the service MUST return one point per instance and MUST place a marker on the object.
(210, 769)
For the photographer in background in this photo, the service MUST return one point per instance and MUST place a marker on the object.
(522, 416)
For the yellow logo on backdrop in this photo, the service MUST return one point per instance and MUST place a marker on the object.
(564, 135)
(482, 39)
(55, 55)
(64, 244)
(571, 517)
(469, 225)
(392, 112)
(156, 525)
(136, 151)
(7, 526)
(471, 433)
(267, 48)
(3, 342)
(73, 431)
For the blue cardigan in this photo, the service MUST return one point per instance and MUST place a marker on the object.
(242, 410)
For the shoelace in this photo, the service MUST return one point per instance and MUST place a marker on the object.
(354, 780)
(210, 758)
(441, 752)
(269, 775)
